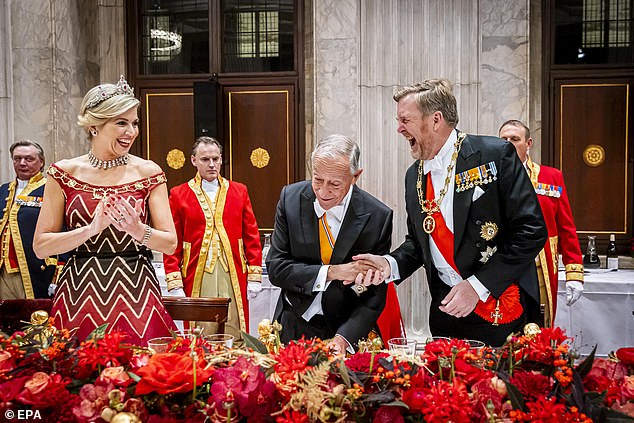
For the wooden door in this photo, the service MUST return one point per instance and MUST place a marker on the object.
(167, 131)
(259, 143)
(593, 148)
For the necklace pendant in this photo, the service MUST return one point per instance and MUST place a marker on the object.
(429, 224)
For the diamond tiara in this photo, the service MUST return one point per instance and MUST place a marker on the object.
(104, 92)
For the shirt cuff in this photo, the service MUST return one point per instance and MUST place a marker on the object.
(320, 283)
(480, 289)
(394, 273)
(349, 348)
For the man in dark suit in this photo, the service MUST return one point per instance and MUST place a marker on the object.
(319, 225)
(474, 222)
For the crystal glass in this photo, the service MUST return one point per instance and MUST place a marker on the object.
(591, 259)
(220, 339)
(405, 346)
(159, 345)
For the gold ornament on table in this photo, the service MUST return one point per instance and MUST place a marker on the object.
(125, 417)
(270, 335)
(531, 330)
(40, 329)
(372, 343)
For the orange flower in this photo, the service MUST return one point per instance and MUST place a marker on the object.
(168, 373)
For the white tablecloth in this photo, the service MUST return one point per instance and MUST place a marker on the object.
(603, 315)
(261, 307)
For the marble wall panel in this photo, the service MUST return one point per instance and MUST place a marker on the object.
(335, 101)
(504, 63)
(6, 92)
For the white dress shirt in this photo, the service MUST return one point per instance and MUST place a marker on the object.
(334, 216)
(437, 169)
(210, 188)
(20, 187)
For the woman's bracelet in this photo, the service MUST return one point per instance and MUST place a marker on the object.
(147, 235)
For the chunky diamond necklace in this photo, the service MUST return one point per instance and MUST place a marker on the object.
(107, 164)
(432, 206)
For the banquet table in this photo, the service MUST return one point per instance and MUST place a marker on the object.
(604, 315)
(262, 306)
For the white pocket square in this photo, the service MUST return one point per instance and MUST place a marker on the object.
(477, 193)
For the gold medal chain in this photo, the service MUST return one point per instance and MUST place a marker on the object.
(432, 206)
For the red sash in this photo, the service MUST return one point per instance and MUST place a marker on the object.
(494, 310)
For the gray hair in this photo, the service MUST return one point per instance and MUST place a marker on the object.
(29, 143)
(335, 146)
(433, 95)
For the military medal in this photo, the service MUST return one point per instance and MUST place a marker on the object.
(429, 224)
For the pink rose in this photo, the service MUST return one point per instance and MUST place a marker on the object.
(627, 388)
(114, 375)
(43, 390)
(6, 361)
(38, 383)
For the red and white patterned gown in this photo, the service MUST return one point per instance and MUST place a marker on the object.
(109, 278)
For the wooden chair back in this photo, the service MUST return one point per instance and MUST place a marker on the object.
(13, 313)
(203, 309)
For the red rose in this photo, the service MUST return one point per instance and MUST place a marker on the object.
(388, 414)
(11, 388)
(292, 417)
(626, 355)
(415, 399)
(168, 373)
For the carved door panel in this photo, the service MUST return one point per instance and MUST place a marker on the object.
(167, 131)
(593, 148)
(259, 128)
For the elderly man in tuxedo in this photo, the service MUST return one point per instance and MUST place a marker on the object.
(319, 225)
(473, 218)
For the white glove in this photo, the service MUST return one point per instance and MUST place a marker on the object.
(253, 288)
(51, 289)
(176, 292)
(574, 289)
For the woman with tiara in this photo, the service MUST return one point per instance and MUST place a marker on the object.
(108, 209)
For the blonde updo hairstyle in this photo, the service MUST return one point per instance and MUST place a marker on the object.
(105, 110)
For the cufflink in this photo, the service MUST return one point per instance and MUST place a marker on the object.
(360, 289)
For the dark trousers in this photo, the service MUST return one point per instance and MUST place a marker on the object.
(294, 326)
(471, 326)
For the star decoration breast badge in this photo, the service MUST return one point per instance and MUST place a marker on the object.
(488, 231)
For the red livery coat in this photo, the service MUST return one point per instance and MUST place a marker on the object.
(238, 232)
(562, 233)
